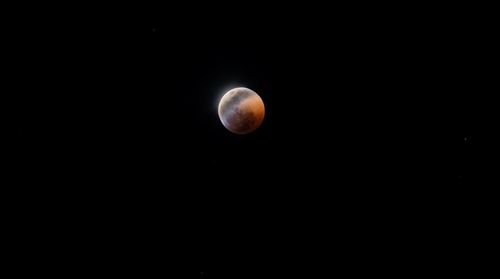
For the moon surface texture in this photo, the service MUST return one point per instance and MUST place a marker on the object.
(241, 110)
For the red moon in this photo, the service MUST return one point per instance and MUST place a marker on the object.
(241, 110)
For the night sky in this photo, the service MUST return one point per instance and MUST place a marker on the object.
(366, 116)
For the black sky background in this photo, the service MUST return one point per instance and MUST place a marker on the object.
(366, 116)
(351, 82)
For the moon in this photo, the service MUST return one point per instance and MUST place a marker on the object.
(241, 110)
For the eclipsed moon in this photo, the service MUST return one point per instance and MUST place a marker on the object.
(241, 110)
